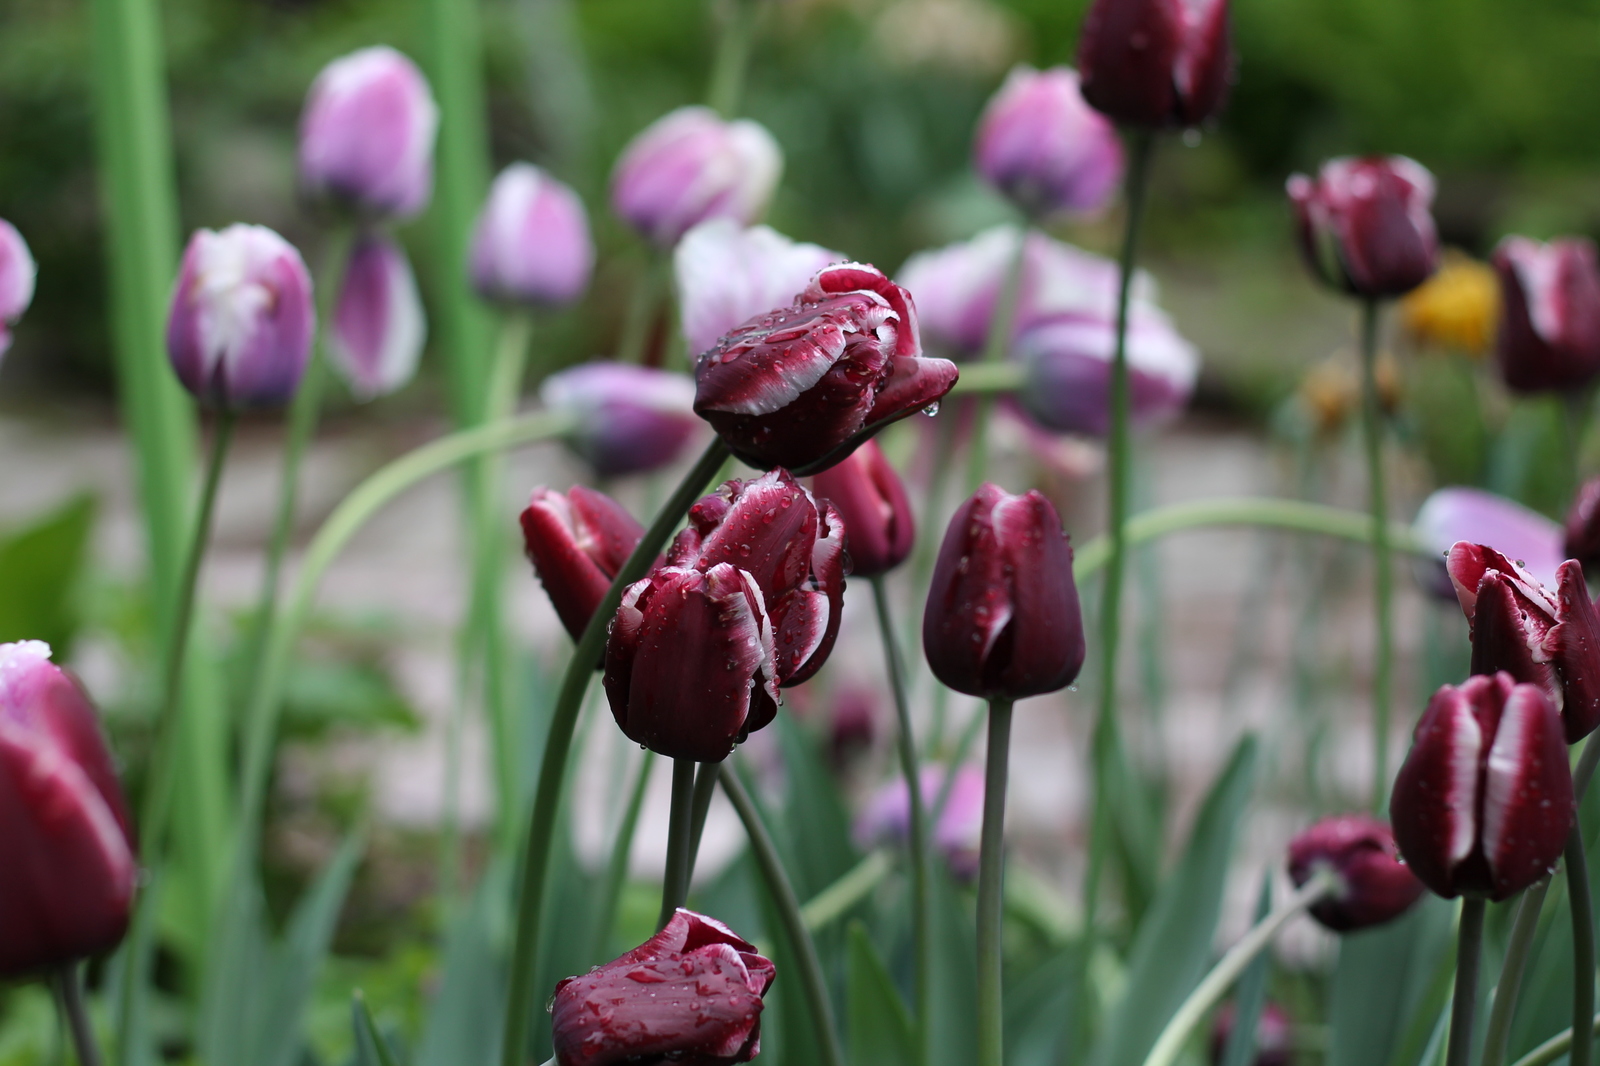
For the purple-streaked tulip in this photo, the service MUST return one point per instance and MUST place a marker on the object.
(1457, 514)
(1483, 803)
(378, 325)
(1544, 638)
(17, 273)
(577, 542)
(1156, 63)
(70, 865)
(531, 243)
(691, 165)
(367, 133)
(1043, 147)
(1582, 534)
(887, 816)
(728, 274)
(1002, 619)
(1273, 1044)
(1373, 886)
(629, 418)
(803, 386)
(1365, 225)
(242, 319)
(872, 501)
(1549, 335)
(1068, 362)
(691, 994)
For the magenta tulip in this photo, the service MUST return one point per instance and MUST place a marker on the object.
(1156, 63)
(531, 244)
(1041, 145)
(17, 273)
(727, 275)
(1068, 363)
(1517, 532)
(1550, 313)
(378, 324)
(577, 543)
(629, 419)
(1365, 225)
(887, 816)
(1373, 885)
(872, 501)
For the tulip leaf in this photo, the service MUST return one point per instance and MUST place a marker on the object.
(371, 1048)
(1035, 1007)
(1380, 994)
(814, 823)
(953, 1028)
(465, 1019)
(880, 1028)
(40, 566)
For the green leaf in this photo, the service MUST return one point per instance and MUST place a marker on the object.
(40, 568)
(1035, 1007)
(880, 1028)
(1379, 997)
(953, 1028)
(465, 1021)
(371, 1048)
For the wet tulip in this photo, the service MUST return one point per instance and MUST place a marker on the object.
(1549, 335)
(727, 274)
(872, 500)
(1373, 887)
(1156, 63)
(1517, 532)
(378, 325)
(577, 543)
(1041, 145)
(531, 243)
(17, 272)
(630, 419)
(1365, 225)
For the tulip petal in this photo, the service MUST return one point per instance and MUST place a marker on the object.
(378, 325)
(1507, 637)
(1528, 802)
(1434, 804)
(765, 527)
(1573, 647)
(1046, 643)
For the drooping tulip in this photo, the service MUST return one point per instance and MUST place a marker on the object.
(1582, 539)
(872, 500)
(531, 243)
(1455, 514)
(577, 543)
(1373, 885)
(1365, 225)
(728, 274)
(1549, 336)
(887, 816)
(17, 273)
(378, 325)
(1156, 63)
(1041, 145)
(630, 419)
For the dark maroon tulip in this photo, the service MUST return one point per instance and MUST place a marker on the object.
(1483, 802)
(1002, 619)
(1272, 1036)
(1583, 527)
(1365, 226)
(691, 996)
(577, 543)
(803, 386)
(1374, 885)
(69, 861)
(1156, 62)
(1550, 313)
(1544, 638)
(872, 501)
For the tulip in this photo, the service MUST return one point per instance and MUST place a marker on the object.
(64, 829)
(1583, 529)
(691, 994)
(727, 275)
(1549, 335)
(17, 273)
(1002, 619)
(872, 501)
(1364, 225)
(1068, 363)
(378, 325)
(1156, 63)
(367, 133)
(1515, 531)
(803, 386)
(887, 816)
(1273, 1046)
(1042, 146)
(1483, 802)
(691, 165)
(629, 418)
(1373, 885)
(577, 543)
(852, 725)
(1541, 638)
(1457, 309)
(531, 243)
(241, 322)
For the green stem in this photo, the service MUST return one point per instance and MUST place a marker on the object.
(680, 829)
(1459, 1052)
(1497, 1034)
(831, 904)
(1001, 325)
(621, 849)
(1555, 1047)
(1582, 943)
(643, 305)
(69, 1000)
(732, 61)
(978, 379)
(991, 896)
(552, 771)
(1383, 593)
(705, 790)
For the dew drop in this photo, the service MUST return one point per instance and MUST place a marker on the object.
(932, 409)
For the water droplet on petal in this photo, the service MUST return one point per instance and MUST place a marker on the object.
(932, 409)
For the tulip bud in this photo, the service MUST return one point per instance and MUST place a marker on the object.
(1515, 531)
(17, 273)
(1042, 146)
(1373, 887)
(957, 836)
(691, 165)
(629, 419)
(1156, 62)
(577, 544)
(531, 244)
(1550, 313)
(852, 725)
(1273, 1047)
(71, 870)
(241, 323)
(378, 325)
(367, 133)
(1002, 619)
(803, 386)
(691, 994)
(1583, 528)
(872, 501)
(1068, 365)
(1364, 225)
(727, 275)
(1483, 802)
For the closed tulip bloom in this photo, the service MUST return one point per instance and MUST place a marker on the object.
(1582, 535)
(872, 500)
(630, 419)
(958, 836)
(242, 319)
(17, 273)
(1002, 619)
(70, 866)
(577, 543)
(803, 386)
(531, 243)
(1517, 532)
(1373, 886)
(378, 324)
(1068, 361)
(1549, 335)
(1365, 225)
(691, 165)
(691, 994)
(367, 133)
(1156, 63)
(1044, 148)
(1483, 802)
(727, 274)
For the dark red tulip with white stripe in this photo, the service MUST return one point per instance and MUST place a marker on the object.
(1365, 225)
(1156, 63)
(872, 500)
(577, 542)
(378, 324)
(1550, 313)
(1373, 885)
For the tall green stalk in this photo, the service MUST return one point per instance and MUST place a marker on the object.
(1002, 323)
(1383, 584)
(735, 37)
(991, 895)
(1582, 944)
(1519, 944)
(68, 986)
(1468, 955)
(675, 881)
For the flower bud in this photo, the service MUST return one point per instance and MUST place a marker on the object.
(727, 275)
(1364, 225)
(71, 870)
(691, 165)
(852, 725)
(1156, 62)
(958, 835)
(241, 323)
(1456, 514)
(872, 501)
(17, 273)
(1583, 529)
(1042, 146)
(1549, 335)
(577, 544)
(378, 325)
(1374, 886)
(691, 994)
(1273, 1046)
(630, 419)
(1002, 619)
(803, 386)
(1068, 365)
(367, 133)
(531, 243)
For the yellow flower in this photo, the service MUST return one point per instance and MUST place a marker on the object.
(1457, 309)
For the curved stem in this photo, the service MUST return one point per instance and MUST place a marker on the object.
(1582, 943)
(732, 61)
(991, 895)
(675, 882)
(1555, 1047)
(1497, 1033)
(1459, 1052)
(1001, 325)
(69, 1000)
(980, 378)
(705, 790)
(1383, 593)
